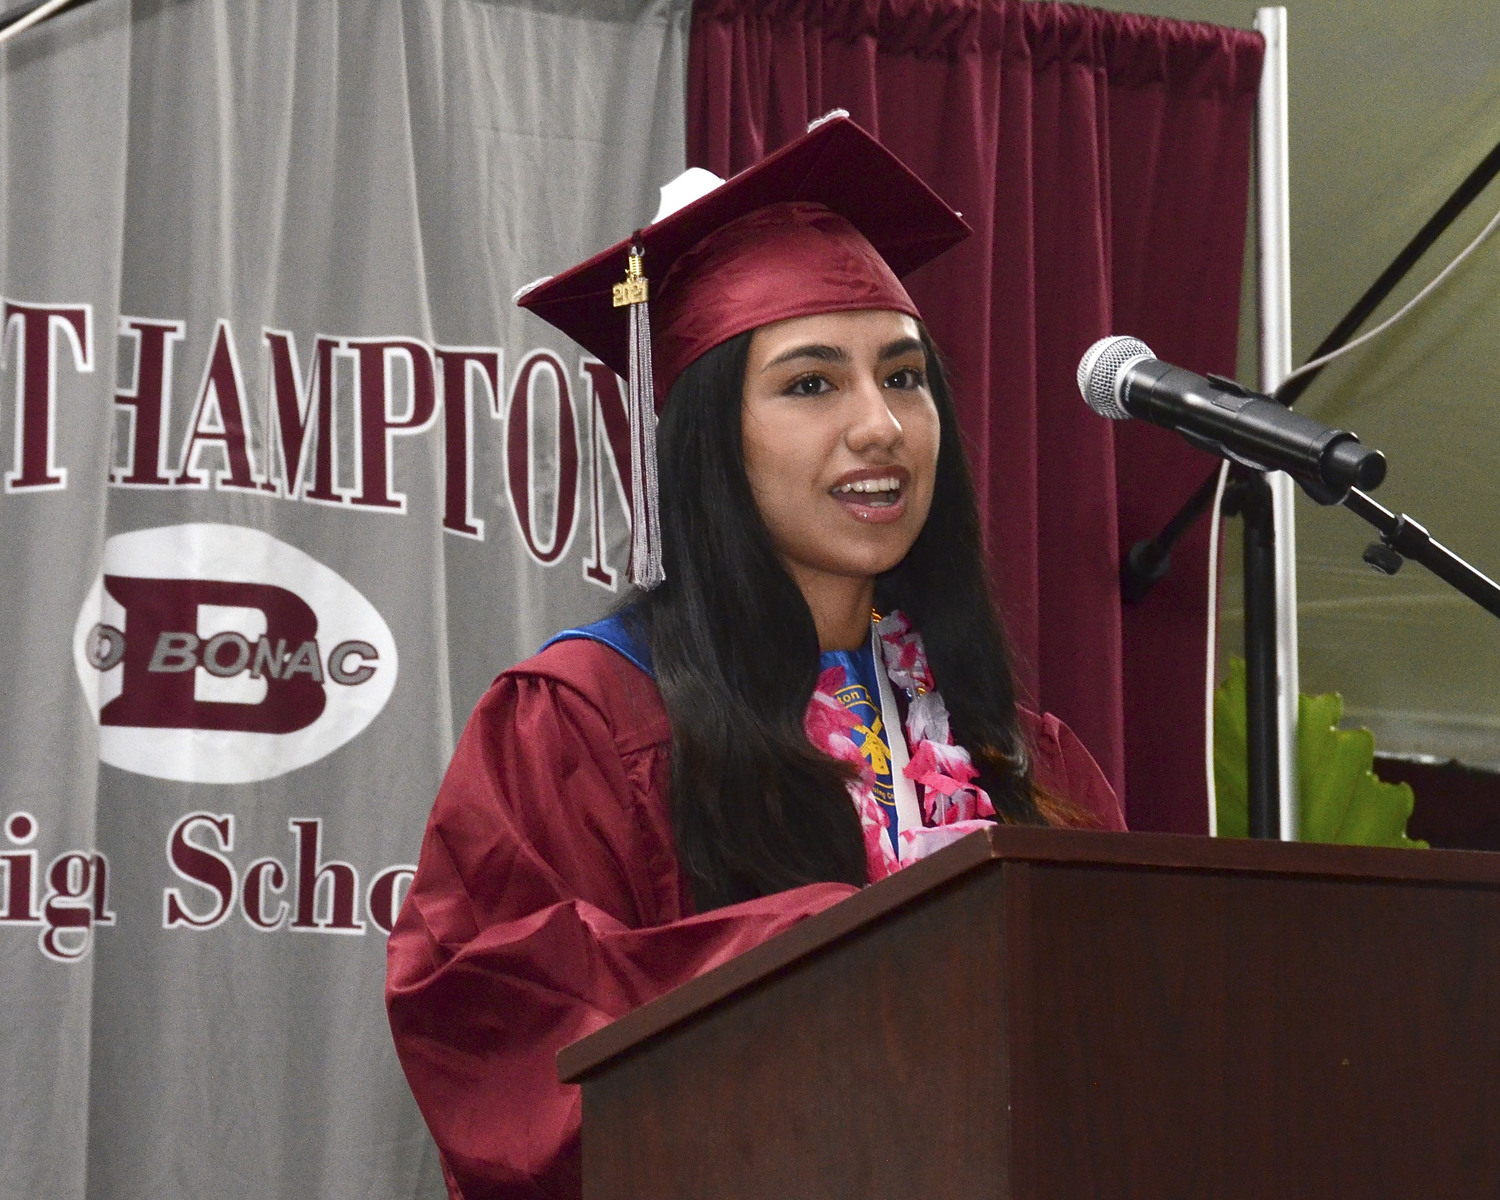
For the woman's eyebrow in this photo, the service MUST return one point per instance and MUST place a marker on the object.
(900, 346)
(828, 354)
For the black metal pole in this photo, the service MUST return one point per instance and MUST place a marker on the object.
(1261, 752)
(1148, 561)
(1463, 195)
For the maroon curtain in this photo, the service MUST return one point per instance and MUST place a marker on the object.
(1103, 162)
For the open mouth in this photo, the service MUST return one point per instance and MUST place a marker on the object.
(875, 493)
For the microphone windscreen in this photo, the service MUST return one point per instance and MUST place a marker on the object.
(1103, 367)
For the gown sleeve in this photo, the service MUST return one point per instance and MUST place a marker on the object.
(1065, 771)
(547, 902)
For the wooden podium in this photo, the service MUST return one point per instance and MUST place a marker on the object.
(1041, 1013)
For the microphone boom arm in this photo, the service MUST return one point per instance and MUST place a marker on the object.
(1401, 537)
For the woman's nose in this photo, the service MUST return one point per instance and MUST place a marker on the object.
(873, 424)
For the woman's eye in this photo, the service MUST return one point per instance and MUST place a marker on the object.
(907, 379)
(809, 385)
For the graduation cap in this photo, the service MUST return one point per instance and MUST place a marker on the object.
(828, 223)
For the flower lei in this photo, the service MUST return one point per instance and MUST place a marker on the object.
(952, 803)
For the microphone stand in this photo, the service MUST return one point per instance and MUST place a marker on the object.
(1149, 560)
(1250, 498)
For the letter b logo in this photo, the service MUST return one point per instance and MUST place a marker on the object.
(219, 654)
(160, 686)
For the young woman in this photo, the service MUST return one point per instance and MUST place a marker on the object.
(816, 695)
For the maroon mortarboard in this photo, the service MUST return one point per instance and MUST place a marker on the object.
(828, 223)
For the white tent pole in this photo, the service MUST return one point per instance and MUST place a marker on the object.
(1274, 227)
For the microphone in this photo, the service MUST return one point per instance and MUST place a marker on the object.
(1120, 378)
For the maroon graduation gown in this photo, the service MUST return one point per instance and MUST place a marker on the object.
(548, 902)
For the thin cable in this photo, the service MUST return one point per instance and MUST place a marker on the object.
(33, 17)
(1213, 639)
(1318, 363)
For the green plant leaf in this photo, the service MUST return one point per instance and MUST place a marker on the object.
(1231, 781)
(1341, 798)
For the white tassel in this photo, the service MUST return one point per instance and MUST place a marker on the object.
(645, 519)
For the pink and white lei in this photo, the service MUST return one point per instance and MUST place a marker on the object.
(953, 804)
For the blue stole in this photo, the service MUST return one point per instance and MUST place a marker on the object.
(614, 633)
(860, 695)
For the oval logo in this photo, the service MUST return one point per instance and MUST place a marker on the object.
(218, 654)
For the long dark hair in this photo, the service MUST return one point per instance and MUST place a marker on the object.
(755, 808)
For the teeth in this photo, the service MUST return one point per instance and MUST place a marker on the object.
(870, 485)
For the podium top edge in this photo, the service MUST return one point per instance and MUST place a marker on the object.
(1019, 844)
(1242, 855)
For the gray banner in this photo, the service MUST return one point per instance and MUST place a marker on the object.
(286, 480)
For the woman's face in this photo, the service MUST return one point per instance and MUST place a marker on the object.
(840, 441)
